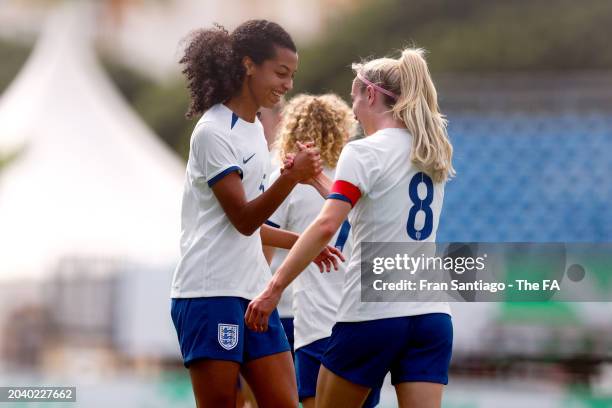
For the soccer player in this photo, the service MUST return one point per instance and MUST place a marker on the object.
(225, 202)
(270, 119)
(328, 121)
(391, 186)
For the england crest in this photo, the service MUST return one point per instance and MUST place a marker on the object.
(228, 335)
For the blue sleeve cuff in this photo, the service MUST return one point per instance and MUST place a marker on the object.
(224, 173)
(341, 197)
(272, 224)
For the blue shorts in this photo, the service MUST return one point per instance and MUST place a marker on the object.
(214, 328)
(307, 364)
(287, 323)
(412, 348)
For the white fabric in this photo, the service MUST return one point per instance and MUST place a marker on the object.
(316, 295)
(379, 165)
(285, 306)
(216, 259)
(90, 180)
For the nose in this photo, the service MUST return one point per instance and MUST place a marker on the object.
(288, 85)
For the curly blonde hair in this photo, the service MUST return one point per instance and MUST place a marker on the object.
(326, 120)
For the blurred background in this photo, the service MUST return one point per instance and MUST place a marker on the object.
(93, 142)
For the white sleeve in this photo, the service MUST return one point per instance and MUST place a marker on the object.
(214, 154)
(358, 167)
(280, 217)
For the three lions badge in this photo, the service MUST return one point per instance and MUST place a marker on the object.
(227, 335)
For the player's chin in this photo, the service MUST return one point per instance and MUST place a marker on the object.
(271, 101)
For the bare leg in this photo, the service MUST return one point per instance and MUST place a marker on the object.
(419, 394)
(244, 396)
(334, 391)
(214, 383)
(308, 402)
(272, 379)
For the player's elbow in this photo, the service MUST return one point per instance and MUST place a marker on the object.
(327, 228)
(246, 228)
(243, 224)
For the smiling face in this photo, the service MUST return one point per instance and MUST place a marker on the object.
(273, 78)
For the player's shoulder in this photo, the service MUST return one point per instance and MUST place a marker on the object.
(387, 141)
(368, 147)
(357, 154)
(215, 122)
(217, 116)
(358, 146)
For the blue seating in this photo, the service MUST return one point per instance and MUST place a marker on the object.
(529, 177)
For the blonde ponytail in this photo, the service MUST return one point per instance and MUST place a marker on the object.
(417, 107)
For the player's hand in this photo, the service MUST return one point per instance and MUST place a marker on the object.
(328, 258)
(321, 183)
(312, 181)
(288, 162)
(260, 309)
(306, 145)
(290, 157)
(307, 163)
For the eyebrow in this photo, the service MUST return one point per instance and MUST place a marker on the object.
(286, 67)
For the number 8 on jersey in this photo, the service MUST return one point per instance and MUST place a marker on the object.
(419, 204)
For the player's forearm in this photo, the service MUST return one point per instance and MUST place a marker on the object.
(323, 185)
(307, 247)
(322, 189)
(268, 252)
(278, 238)
(257, 211)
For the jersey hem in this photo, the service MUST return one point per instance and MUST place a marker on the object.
(224, 173)
(309, 340)
(271, 223)
(214, 293)
(355, 318)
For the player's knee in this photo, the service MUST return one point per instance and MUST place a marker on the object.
(290, 401)
(280, 401)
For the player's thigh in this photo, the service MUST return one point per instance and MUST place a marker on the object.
(334, 391)
(419, 394)
(308, 402)
(214, 382)
(272, 379)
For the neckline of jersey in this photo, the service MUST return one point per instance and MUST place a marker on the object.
(397, 131)
(241, 120)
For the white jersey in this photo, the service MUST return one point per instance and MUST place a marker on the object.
(378, 168)
(316, 295)
(285, 306)
(216, 259)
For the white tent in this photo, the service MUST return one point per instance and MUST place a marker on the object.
(91, 180)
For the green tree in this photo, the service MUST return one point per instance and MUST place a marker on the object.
(161, 105)
(476, 36)
(13, 57)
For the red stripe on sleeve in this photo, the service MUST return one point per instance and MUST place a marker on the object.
(347, 189)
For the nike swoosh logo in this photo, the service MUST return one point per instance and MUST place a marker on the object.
(244, 161)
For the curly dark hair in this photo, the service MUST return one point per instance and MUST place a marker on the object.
(213, 59)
